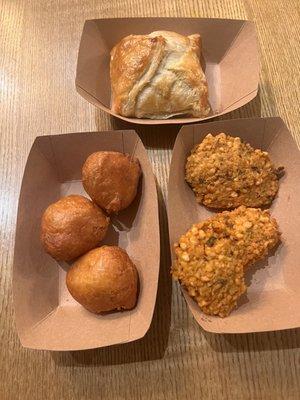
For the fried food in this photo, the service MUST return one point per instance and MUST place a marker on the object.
(71, 227)
(104, 279)
(225, 173)
(111, 179)
(212, 256)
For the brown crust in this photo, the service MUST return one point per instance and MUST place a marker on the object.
(72, 226)
(225, 173)
(104, 279)
(213, 255)
(158, 75)
(111, 179)
(130, 59)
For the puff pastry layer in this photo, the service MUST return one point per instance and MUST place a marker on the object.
(158, 76)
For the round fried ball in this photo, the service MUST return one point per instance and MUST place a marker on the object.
(104, 279)
(111, 179)
(71, 227)
(212, 256)
(225, 173)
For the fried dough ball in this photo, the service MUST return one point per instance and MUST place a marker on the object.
(225, 173)
(111, 179)
(104, 279)
(212, 256)
(72, 226)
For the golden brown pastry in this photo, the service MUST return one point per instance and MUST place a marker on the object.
(158, 76)
(212, 256)
(111, 179)
(224, 173)
(71, 227)
(104, 279)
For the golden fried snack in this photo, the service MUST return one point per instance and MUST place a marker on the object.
(111, 179)
(225, 173)
(71, 227)
(212, 256)
(104, 279)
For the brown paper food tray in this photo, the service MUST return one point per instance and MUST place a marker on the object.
(272, 301)
(47, 317)
(229, 50)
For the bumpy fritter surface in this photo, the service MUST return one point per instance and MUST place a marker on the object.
(111, 179)
(71, 227)
(225, 173)
(104, 279)
(212, 256)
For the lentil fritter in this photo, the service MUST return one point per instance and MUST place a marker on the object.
(212, 256)
(225, 173)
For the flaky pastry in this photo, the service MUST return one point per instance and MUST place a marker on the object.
(158, 76)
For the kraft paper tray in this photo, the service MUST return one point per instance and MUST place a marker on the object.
(229, 50)
(272, 301)
(47, 317)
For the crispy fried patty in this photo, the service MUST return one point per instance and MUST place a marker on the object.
(211, 257)
(111, 179)
(225, 173)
